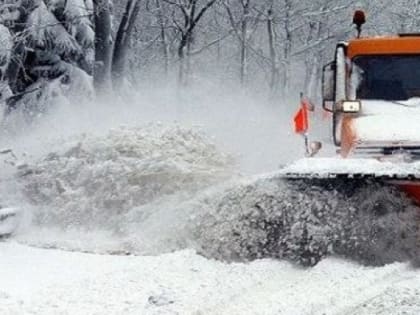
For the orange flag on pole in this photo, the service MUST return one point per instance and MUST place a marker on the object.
(301, 119)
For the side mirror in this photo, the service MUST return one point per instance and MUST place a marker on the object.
(328, 86)
(314, 148)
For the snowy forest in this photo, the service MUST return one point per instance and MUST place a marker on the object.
(54, 49)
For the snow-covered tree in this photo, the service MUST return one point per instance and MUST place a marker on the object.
(52, 51)
(123, 35)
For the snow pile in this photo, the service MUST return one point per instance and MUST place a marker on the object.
(92, 182)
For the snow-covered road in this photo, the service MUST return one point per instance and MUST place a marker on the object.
(41, 281)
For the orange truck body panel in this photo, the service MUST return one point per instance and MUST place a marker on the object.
(412, 190)
(390, 45)
(348, 136)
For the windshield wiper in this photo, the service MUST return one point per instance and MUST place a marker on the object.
(401, 104)
(407, 105)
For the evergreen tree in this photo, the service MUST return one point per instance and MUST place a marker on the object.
(52, 51)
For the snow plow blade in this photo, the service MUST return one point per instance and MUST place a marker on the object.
(9, 220)
(409, 184)
(405, 176)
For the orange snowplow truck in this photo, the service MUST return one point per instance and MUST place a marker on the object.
(372, 89)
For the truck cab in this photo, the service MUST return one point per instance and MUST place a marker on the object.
(372, 89)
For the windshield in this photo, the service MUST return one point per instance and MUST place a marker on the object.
(386, 77)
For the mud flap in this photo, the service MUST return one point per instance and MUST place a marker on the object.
(9, 221)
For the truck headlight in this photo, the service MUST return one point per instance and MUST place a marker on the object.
(351, 106)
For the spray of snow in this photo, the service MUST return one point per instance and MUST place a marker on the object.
(157, 189)
(93, 180)
(113, 184)
(256, 131)
(89, 185)
(305, 220)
